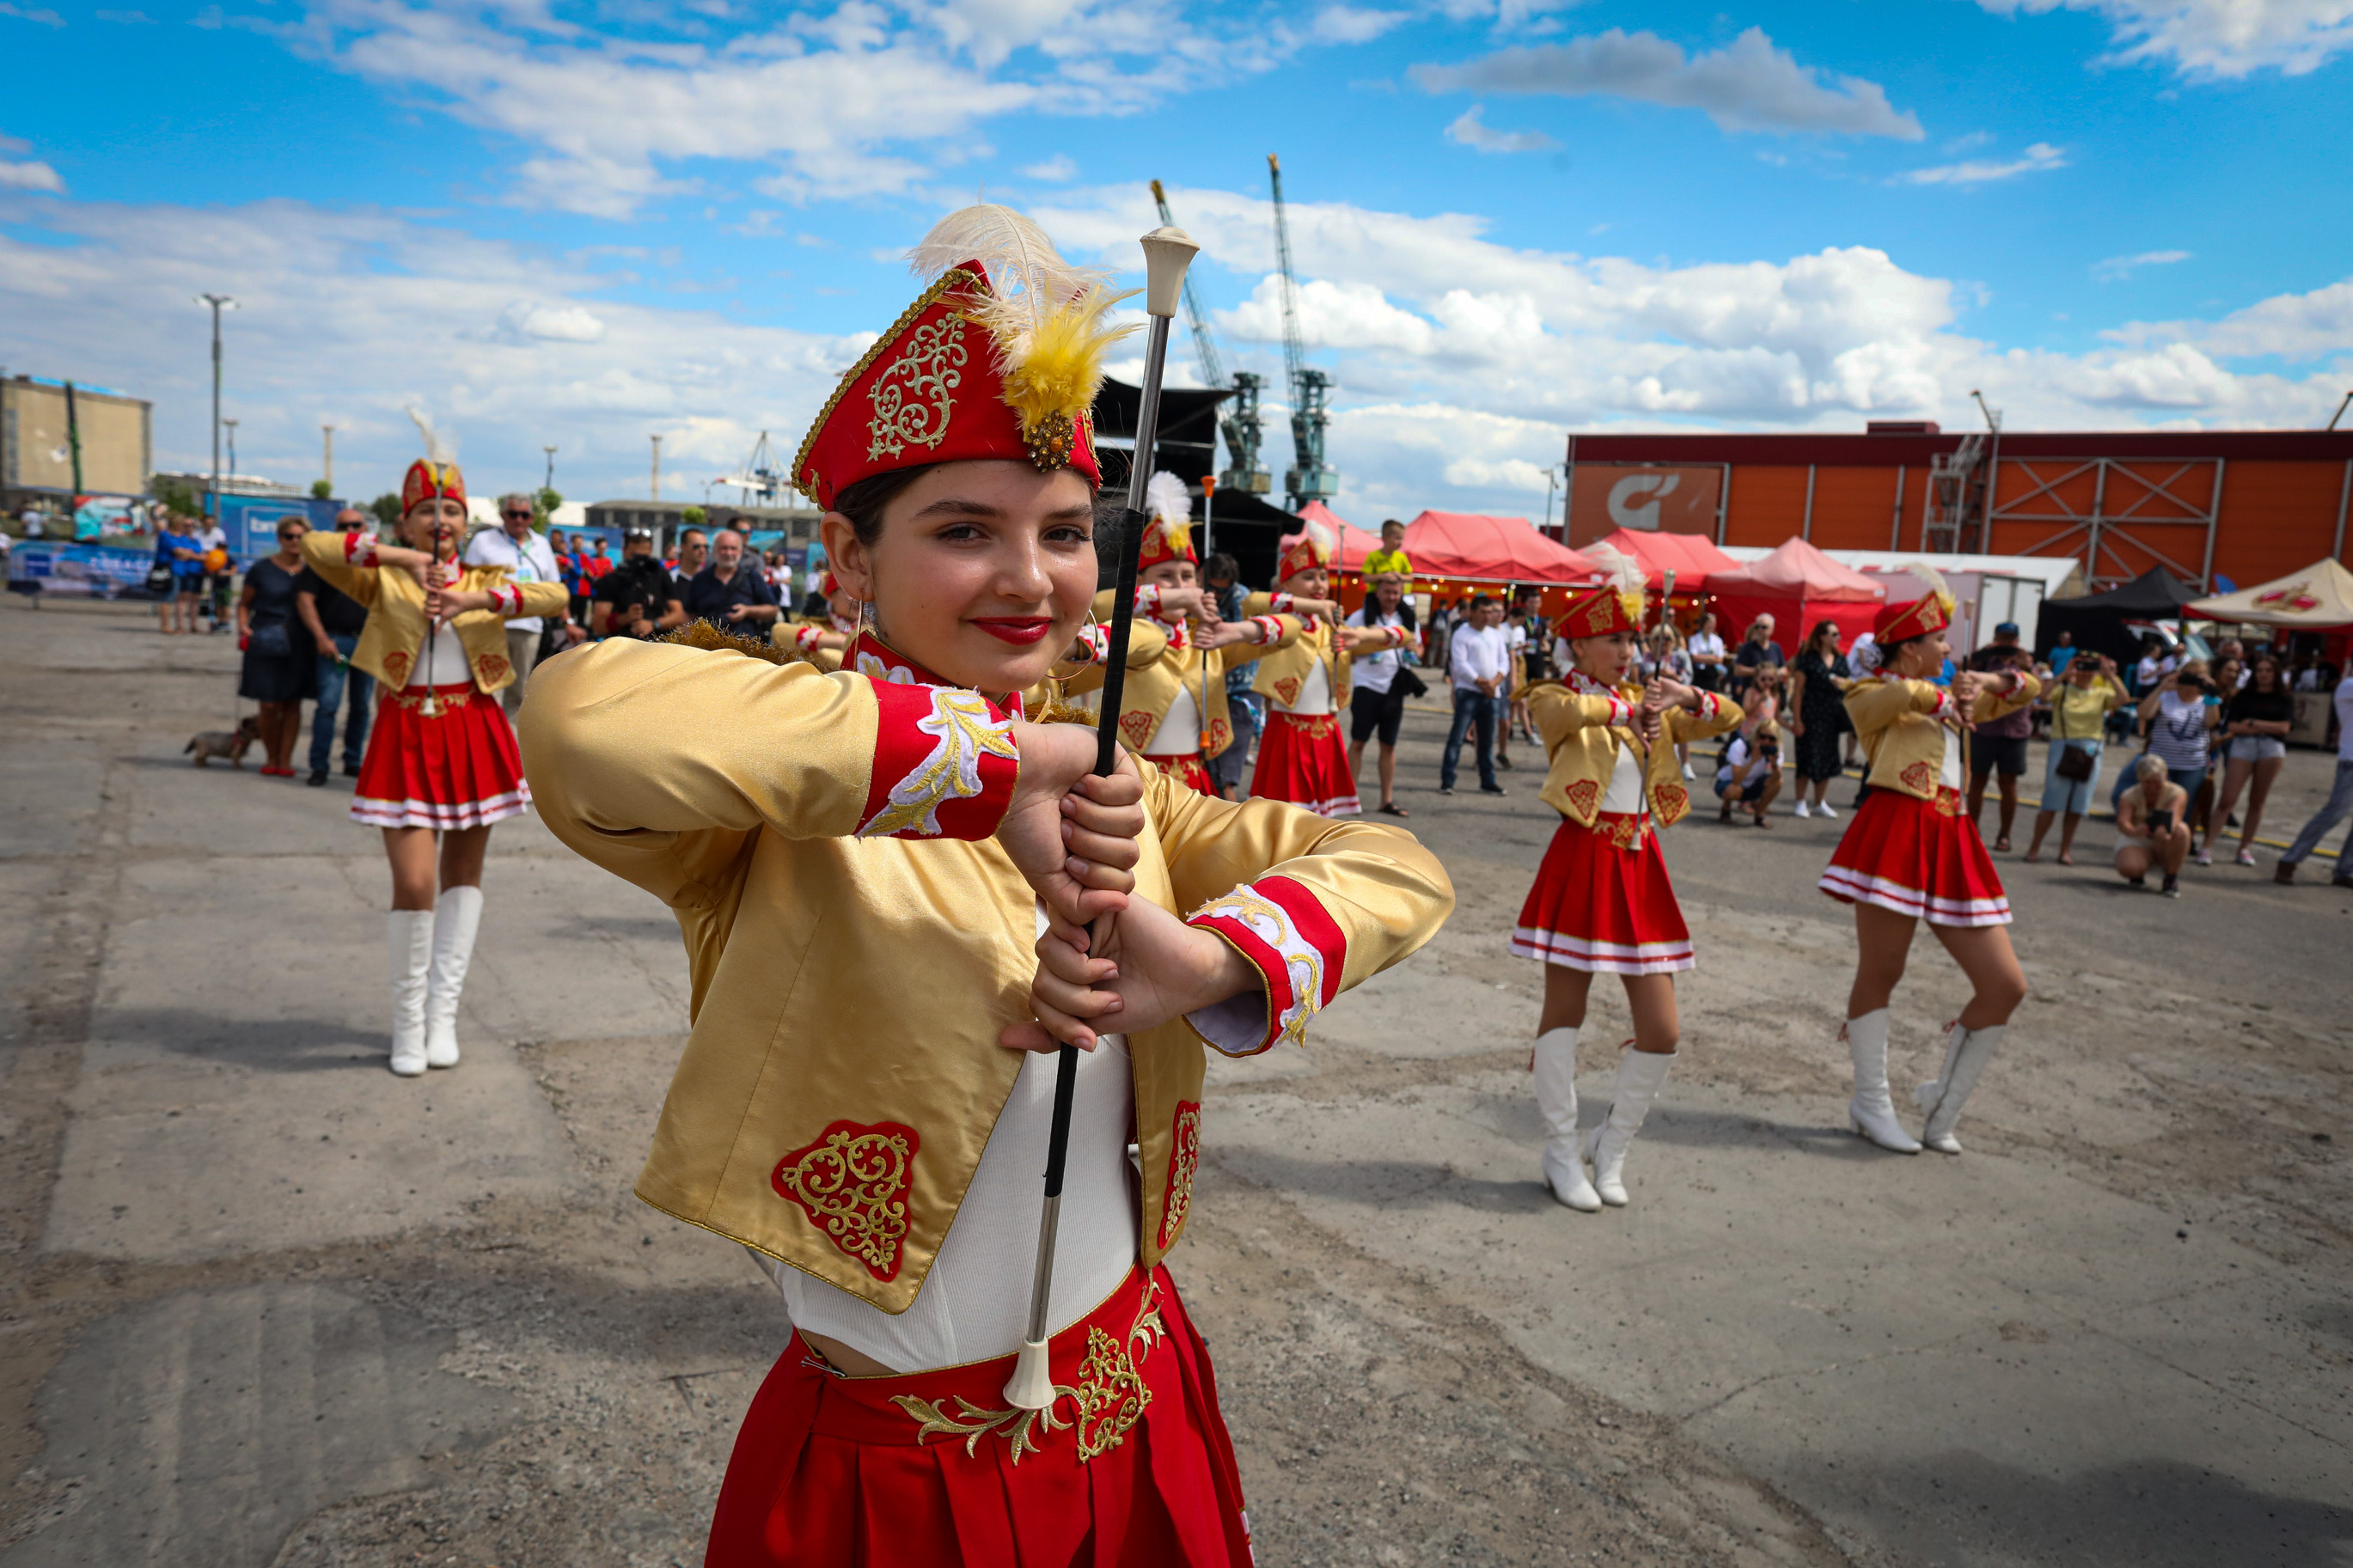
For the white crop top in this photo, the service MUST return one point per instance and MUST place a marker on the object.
(1625, 792)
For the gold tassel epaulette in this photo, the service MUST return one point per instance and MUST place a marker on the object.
(711, 638)
(1059, 712)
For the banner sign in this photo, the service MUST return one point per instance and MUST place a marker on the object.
(90, 571)
(1649, 498)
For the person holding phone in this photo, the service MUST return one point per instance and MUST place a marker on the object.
(2255, 721)
(2079, 716)
(2153, 819)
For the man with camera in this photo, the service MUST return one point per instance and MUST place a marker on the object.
(638, 598)
(1749, 774)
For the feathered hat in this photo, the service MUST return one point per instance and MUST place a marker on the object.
(1915, 618)
(432, 477)
(999, 357)
(1169, 525)
(1617, 605)
(1316, 545)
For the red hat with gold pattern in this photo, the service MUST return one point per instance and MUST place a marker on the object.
(1916, 617)
(1316, 545)
(1000, 357)
(1169, 526)
(432, 479)
(1617, 605)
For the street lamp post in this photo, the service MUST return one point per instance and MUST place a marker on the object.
(230, 425)
(218, 301)
(550, 482)
(328, 461)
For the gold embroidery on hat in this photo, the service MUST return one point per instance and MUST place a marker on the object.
(917, 412)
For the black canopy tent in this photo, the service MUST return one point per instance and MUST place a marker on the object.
(2097, 621)
(1244, 526)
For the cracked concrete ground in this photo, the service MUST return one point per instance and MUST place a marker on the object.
(268, 1305)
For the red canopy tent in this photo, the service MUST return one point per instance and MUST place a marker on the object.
(1355, 542)
(1797, 585)
(1691, 557)
(1472, 547)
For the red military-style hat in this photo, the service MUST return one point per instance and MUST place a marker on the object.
(1915, 618)
(1316, 545)
(1169, 529)
(999, 357)
(432, 479)
(1617, 605)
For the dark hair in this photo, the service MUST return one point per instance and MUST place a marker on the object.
(2263, 656)
(1222, 565)
(862, 502)
(1481, 601)
(1815, 636)
(1888, 650)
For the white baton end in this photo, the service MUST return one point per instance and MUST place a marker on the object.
(1031, 1387)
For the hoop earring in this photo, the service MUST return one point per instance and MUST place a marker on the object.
(1090, 627)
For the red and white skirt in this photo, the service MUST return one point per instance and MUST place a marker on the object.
(1301, 758)
(458, 767)
(1186, 769)
(1130, 1465)
(1602, 902)
(1922, 858)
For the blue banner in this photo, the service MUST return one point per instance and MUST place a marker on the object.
(91, 570)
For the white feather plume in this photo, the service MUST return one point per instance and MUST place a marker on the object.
(1935, 581)
(1023, 265)
(1619, 570)
(434, 451)
(1166, 499)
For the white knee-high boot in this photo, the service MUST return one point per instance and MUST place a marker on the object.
(1967, 1051)
(1564, 1166)
(410, 935)
(1640, 1074)
(1871, 1112)
(455, 918)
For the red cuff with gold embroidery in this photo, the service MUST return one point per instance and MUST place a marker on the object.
(1298, 951)
(1096, 640)
(944, 763)
(359, 550)
(1269, 630)
(1147, 599)
(805, 638)
(506, 599)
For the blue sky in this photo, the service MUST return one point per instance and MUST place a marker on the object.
(549, 222)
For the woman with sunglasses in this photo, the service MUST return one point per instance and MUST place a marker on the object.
(883, 876)
(441, 763)
(276, 672)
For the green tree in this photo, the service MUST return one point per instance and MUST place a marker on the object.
(545, 503)
(387, 515)
(178, 497)
(693, 516)
(322, 490)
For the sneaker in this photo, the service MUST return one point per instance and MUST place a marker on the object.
(1801, 812)
(1687, 772)
(1503, 762)
(2172, 889)
(1493, 789)
(2246, 856)
(2205, 857)
(1724, 815)
(2141, 880)
(1825, 810)
(318, 776)
(1446, 789)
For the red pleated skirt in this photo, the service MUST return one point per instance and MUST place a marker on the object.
(1922, 858)
(1186, 770)
(1303, 760)
(1602, 902)
(458, 767)
(1131, 1467)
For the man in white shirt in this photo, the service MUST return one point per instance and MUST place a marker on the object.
(516, 546)
(2340, 804)
(1479, 663)
(1376, 707)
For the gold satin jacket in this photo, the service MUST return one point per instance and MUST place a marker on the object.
(1901, 725)
(856, 938)
(396, 628)
(1584, 730)
(1153, 681)
(1282, 675)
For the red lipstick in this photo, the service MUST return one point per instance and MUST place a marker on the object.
(1021, 631)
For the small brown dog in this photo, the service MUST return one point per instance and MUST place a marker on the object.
(229, 743)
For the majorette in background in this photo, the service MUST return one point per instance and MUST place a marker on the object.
(859, 934)
(1910, 852)
(1301, 757)
(441, 763)
(1173, 707)
(1602, 902)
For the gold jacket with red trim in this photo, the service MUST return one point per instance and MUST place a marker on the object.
(856, 938)
(1901, 725)
(1584, 724)
(1282, 675)
(1153, 681)
(396, 630)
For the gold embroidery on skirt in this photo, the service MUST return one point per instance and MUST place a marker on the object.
(1108, 1400)
(448, 702)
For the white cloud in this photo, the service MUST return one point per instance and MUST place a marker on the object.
(2038, 157)
(29, 177)
(2296, 327)
(1054, 170)
(1747, 85)
(2116, 267)
(1471, 131)
(37, 15)
(2226, 38)
(1353, 24)
(524, 320)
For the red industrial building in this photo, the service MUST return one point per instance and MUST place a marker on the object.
(2243, 505)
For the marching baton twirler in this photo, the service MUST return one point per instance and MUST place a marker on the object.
(1166, 253)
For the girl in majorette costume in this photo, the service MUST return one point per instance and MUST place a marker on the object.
(882, 874)
(1302, 757)
(1173, 709)
(821, 640)
(1911, 853)
(441, 761)
(1601, 902)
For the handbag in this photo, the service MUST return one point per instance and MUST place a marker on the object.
(2075, 763)
(1407, 684)
(270, 639)
(159, 580)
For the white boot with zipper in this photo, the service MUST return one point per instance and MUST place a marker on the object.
(410, 935)
(1640, 1075)
(1564, 1165)
(1871, 1112)
(455, 918)
(1967, 1051)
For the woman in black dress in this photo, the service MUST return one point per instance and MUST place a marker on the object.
(1818, 712)
(280, 669)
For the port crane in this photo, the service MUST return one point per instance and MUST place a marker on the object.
(1310, 477)
(1239, 418)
